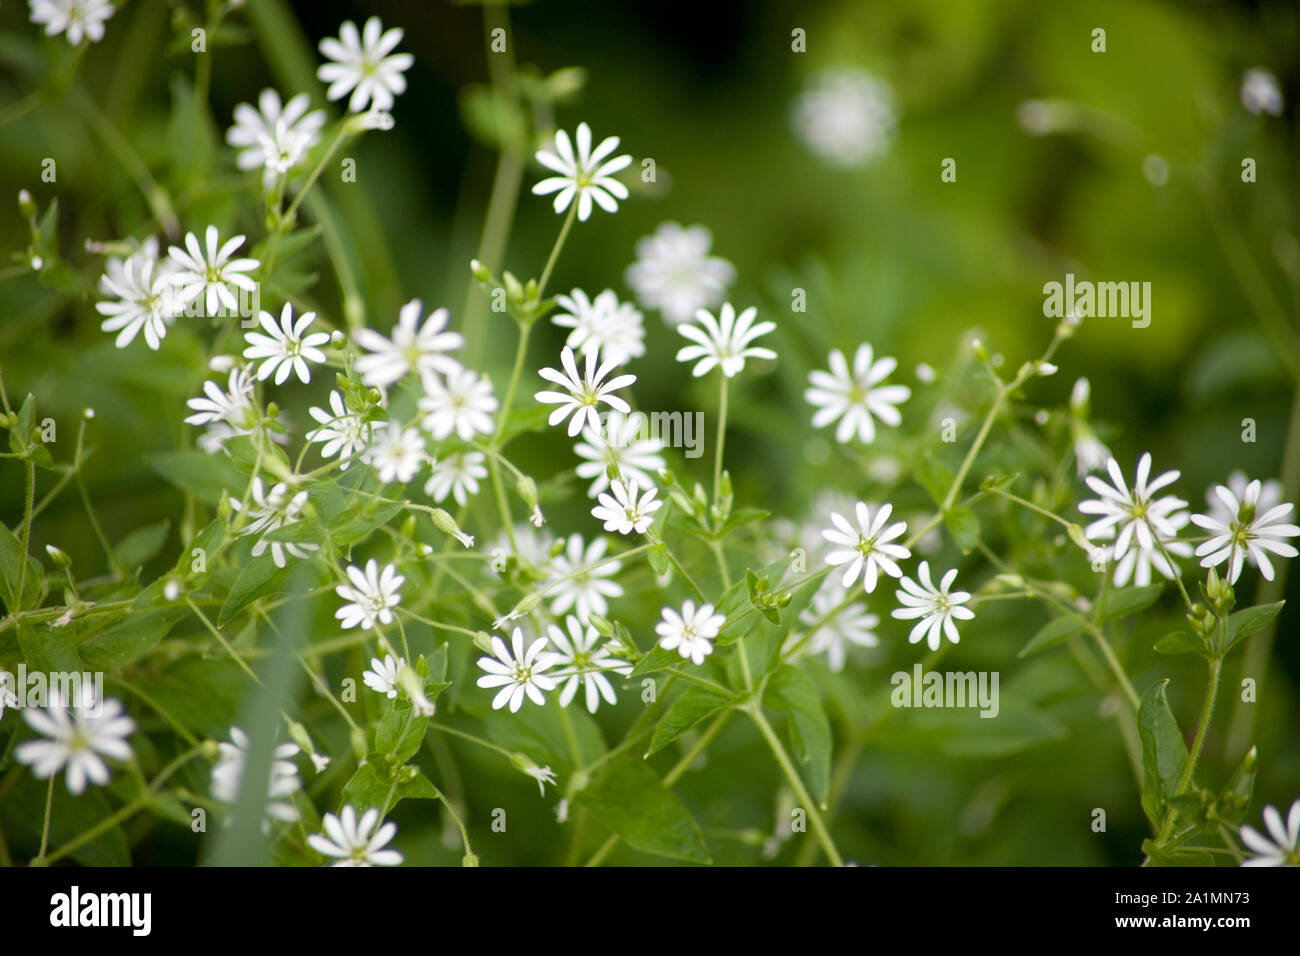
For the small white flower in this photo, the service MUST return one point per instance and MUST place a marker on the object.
(285, 347)
(270, 512)
(584, 391)
(372, 595)
(853, 397)
(1250, 532)
(413, 346)
(582, 664)
(365, 65)
(350, 842)
(457, 475)
(845, 116)
(7, 696)
(1089, 453)
(77, 18)
(343, 432)
(936, 607)
(586, 174)
(74, 734)
(144, 303)
(623, 513)
(723, 343)
(396, 453)
(543, 776)
(691, 632)
(228, 774)
(210, 271)
(579, 578)
(1135, 516)
(274, 137)
(382, 676)
(675, 273)
(866, 550)
(613, 328)
(518, 674)
(851, 626)
(1284, 847)
(532, 549)
(462, 402)
(233, 407)
(1260, 92)
(618, 443)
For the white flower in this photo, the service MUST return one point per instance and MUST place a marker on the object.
(518, 674)
(855, 396)
(1284, 847)
(457, 475)
(283, 782)
(273, 137)
(343, 432)
(74, 733)
(617, 443)
(1251, 531)
(578, 578)
(582, 664)
(142, 290)
(1260, 92)
(382, 676)
(675, 273)
(866, 550)
(210, 272)
(7, 696)
(462, 402)
(233, 407)
(285, 347)
(77, 18)
(270, 512)
(724, 343)
(412, 346)
(371, 596)
(1136, 517)
(845, 116)
(936, 607)
(622, 512)
(1089, 453)
(832, 637)
(613, 328)
(543, 776)
(396, 453)
(691, 632)
(1270, 496)
(351, 843)
(583, 392)
(364, 65)
(586, 174)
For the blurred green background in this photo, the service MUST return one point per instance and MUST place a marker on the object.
(887, 252)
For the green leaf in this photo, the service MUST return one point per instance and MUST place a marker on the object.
(1180, 642)
(132, 637)
(1234, 800)
(259, 578)
(694, 704)
(963, 526)
(207, 477)
(657, 557)
(1164, 753)
(400, 732)
(738, 519)
(11, 562)
(19, 434)
(1126, 601)
(1054, 633)
(371, 787)
(793, 692)
(141, 545)
(630, 799)
(658, 659)
(357, 522)
(1250, 621)
(934, 476)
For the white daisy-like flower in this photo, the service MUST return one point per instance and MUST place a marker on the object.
(1283, 849)
(371, 596)
(458, 475)
(351, 842)
(518, 674)
(845, 116)
(691, 632)
(1250, 532)
(619, 443)
(935, 606)
(723, 343)
(209, 271)
(274, 137)
(583, 392)
(283, 782)
(343, 433)
(270, 512)
(396, 453)
(364, 65)
(867, 549)
(605, 324)
(233, 407)
(586, 174)
(462, 402)
(413, 346)
(382, 676)
(1138, 563)
(1270, 496)
(1134, 516)
(1260, 92)
(675, 274)
(582, 664)
(285, 347)
(856, 397)
(623, 512)
(76, 735)
(77, 18)
(850, 627)
(579, 578)
(143, 297)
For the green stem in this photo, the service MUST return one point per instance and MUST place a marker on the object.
(722, 437)
(791, 774)
(555, 250)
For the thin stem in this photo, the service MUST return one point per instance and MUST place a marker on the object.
(555, 250)
(49, 811)
(791, 774)
(722, 437)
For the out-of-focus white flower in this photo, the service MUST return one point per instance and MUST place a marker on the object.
(854, 397)
(413, 346)
(1260, 92)
(74, 733)
(723, 341)
(462, 402)
(587, 174)
(143, 303)
(845, 116)
(1283, 849)
(618, 443)
(228, 774)
(579, 578)
(396, 453)
(458, 475)
(1089, 453)
(77, 18)
(675, 273)
(1251, 532)
(371, 596)
(582, 393)
(834, 635)
(364, 65)
(614, 328)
